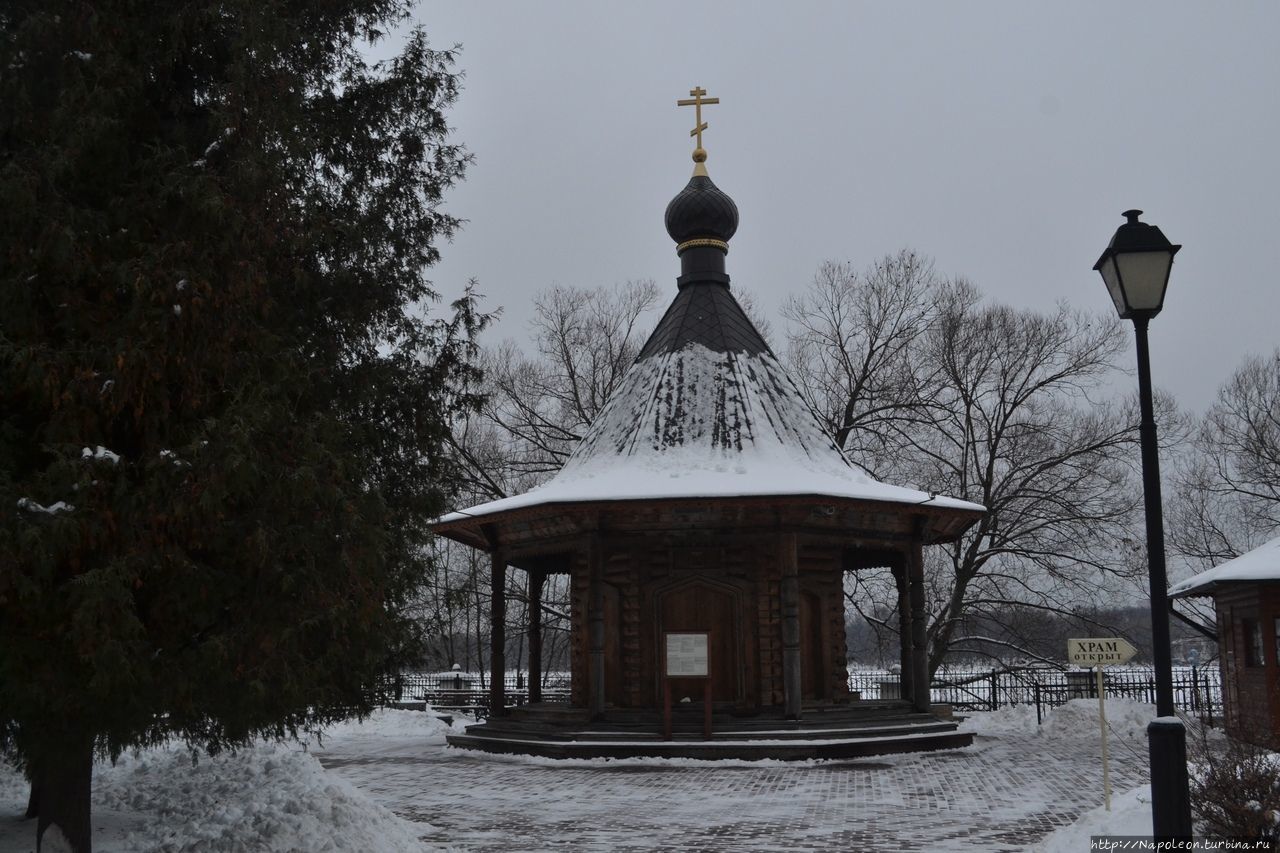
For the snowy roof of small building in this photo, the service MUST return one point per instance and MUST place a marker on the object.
(1260, 564)
(698, 423)
(706, 411)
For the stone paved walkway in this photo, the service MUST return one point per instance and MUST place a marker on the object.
(1001, 794)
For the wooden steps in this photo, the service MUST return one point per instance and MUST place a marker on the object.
(830, 731)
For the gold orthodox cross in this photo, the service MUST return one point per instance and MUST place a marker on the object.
(696, 102)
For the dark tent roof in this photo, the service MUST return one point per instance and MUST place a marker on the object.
(704, 313)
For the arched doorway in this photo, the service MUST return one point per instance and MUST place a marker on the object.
(702, 605)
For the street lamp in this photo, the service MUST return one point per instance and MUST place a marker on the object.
(1136, 267)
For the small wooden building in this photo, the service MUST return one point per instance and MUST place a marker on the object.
(1246, 600)
(706, 498)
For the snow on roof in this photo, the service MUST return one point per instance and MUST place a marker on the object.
(695, 423)
(1260, 564)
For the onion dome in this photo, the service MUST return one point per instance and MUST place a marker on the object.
(701, 211)
(701, 219)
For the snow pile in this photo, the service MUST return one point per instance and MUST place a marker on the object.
(1130, 815)
(1009, 720)
(387, 729)
(13, 789)
(1079, 718)
(271, 797)
(274, 798)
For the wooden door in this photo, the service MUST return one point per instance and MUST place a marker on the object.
(700, 606)
(813, 682)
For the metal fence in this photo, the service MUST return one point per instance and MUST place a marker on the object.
(469, 692)
(1196, 690)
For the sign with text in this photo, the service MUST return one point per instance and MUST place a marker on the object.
(1099, 651)
(687, 655)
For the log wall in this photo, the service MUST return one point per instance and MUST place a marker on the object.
(646, 578)
(1251, 692)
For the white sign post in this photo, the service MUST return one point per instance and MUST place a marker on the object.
(1099, 652)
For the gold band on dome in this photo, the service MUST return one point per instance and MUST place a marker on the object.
(703, 241)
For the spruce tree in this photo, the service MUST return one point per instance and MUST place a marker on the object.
(222, 417)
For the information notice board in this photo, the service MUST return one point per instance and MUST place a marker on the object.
(687, 655)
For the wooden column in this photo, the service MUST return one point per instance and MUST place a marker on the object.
(919, 639)
(536, 581)
(905, 645)
(595, 628)
(791, 625)
(498, 634)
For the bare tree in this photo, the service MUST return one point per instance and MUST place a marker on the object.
(928, 385)
(852, 349)
(585, 340)
(1228, 492)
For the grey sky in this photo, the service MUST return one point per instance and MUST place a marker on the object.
(1002, 139)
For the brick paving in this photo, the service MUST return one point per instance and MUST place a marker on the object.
(1002, 794)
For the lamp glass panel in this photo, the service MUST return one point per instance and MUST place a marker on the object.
(1144, 276)
(1112, 278)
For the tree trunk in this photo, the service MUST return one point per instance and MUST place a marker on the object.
(64, 779)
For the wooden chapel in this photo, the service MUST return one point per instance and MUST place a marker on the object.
(707, 499)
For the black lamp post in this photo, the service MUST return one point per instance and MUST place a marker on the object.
(1136, 269)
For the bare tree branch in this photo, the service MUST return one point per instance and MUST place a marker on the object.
(926, 384)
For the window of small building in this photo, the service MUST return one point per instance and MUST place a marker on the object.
(1252, 642)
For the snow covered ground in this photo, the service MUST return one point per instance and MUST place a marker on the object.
(391, 784)
(1130, 815)
(273, 797)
